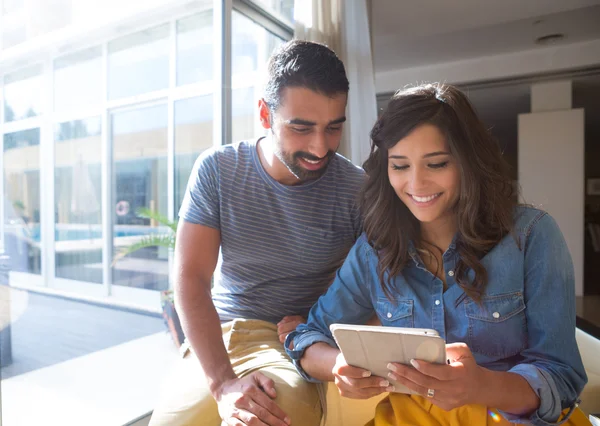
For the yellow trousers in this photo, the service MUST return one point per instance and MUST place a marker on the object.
(252, 345)
(414, 410)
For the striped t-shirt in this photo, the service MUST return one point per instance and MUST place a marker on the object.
(280, 245)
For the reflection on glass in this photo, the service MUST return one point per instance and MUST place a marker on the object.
(245, 125)
(25, 19)
(251, 47)
(22, 200)
(78, 200)
(23, 94)
(139, 63)
(194, 48)
(283, 7)
(193, 134)
(77, 79)
(139, 180)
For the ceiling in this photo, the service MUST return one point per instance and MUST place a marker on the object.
(415, 33)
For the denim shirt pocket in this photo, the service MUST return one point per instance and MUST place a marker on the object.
(397, 313)
(497, 325)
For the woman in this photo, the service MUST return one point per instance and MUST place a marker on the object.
(445, 246)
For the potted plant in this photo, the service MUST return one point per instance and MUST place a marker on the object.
(166, 240)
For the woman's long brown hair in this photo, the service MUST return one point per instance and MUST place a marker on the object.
(487, 197)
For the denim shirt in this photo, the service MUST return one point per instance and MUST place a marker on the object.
(524, 324)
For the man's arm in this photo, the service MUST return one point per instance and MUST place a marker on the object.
(246, 399)
(196, 254)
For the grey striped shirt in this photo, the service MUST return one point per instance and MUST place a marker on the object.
(280, 245)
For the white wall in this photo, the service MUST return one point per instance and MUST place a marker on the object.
(551, 161)
(514, 64)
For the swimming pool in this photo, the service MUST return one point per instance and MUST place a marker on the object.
(90, 234)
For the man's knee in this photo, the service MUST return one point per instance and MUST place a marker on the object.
(185, 399)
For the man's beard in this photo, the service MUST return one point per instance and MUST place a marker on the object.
(291, 161)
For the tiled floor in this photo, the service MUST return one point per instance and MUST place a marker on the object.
(79, 364)
(47, 330)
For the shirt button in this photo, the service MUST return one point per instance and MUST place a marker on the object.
(496, 315)
(389, 314)
(451, 273)
(437, 302)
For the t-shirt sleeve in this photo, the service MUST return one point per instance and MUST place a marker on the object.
(200, 204)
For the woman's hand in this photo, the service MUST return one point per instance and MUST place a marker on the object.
(354, 382)
(448, 386)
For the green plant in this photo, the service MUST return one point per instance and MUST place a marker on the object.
(153, 240)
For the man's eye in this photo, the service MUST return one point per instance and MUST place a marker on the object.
(300, 129)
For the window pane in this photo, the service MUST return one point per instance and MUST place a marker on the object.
(139, 63)
(251, 47)
(284, 7)
(24, 20)
(193, 134)
(245, 124)
(22, 200)
(78, 80)
(194, 48)
(78, 200)
(140, 180)
(23, 94)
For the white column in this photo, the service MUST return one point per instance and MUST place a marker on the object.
(551, 163)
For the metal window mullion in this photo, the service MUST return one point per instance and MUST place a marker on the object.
(107, 187)
(171, 135)
(222, 72)
(24, 124)
(272, 22)
(2, 215)
(47, 180)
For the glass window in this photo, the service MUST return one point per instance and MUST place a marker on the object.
(78, 79)
(23, 94)
(251, 47)
(245, 124)
(139, 63)
(193, 134)
(78, 200)
(25, 19)
(284, 8)
(22, 200)
(140, 181)
(194, 48)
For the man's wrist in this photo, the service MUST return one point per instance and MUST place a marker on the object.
(216, 386)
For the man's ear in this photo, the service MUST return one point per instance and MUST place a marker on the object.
(264, 113)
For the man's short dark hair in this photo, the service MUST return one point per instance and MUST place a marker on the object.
(300, 63)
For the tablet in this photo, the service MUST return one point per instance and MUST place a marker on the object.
(373, 347)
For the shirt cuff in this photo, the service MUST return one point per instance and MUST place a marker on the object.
(544, 386)
(302, 340)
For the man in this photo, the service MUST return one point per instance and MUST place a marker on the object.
(281, 211)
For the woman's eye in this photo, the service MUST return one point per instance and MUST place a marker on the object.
(438, 165)
(395, 167)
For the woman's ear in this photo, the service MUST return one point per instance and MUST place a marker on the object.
(264, 113)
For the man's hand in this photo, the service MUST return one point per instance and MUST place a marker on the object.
(287, 325)
(354, 382)
(248, 401)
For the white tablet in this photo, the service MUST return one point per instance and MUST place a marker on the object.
(373, 347)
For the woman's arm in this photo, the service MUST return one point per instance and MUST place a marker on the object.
(318, 361)
(551, 363)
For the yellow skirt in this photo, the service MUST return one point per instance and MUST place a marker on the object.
(414, 410)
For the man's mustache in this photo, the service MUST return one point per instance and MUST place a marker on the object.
(310, 157)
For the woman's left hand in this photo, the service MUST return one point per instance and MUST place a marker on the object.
(448, 386)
